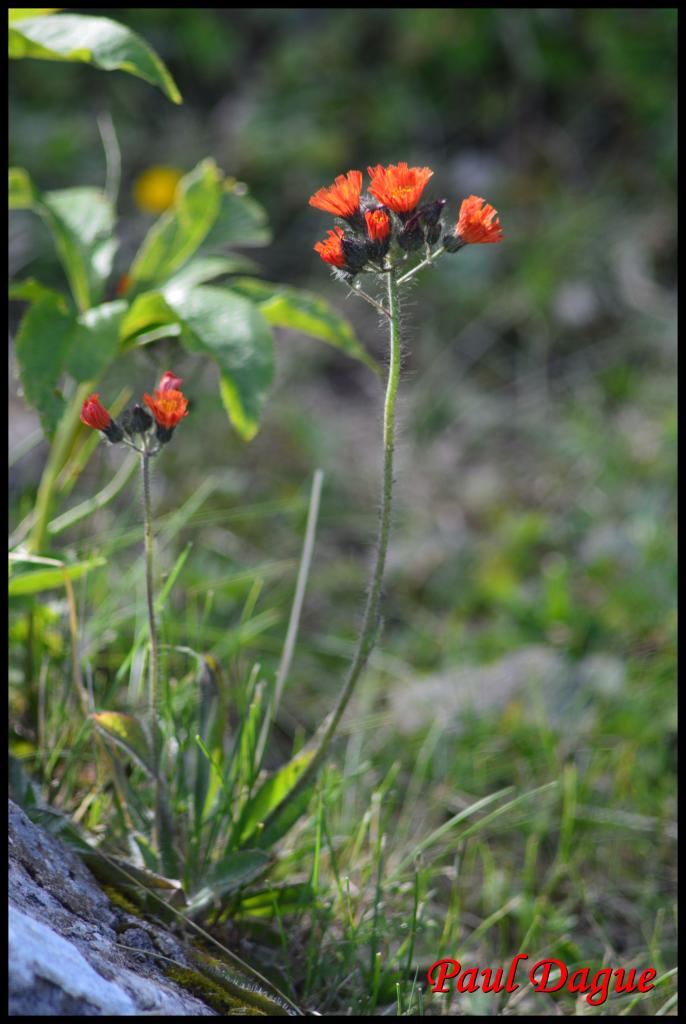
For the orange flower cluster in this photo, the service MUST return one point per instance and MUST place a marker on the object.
(390, 213)
(168, 407)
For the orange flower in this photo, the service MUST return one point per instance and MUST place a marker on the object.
(378, 225)
(342, 198)
(331, 249)
(168, 407)
(478, 222)
(398, 187)
(95, 415)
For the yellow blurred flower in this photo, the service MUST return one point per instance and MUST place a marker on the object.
(154, 189)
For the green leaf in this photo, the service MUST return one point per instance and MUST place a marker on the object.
(284, 818)
(42, 346)
(270, 794)
(303, 311)
(232, 331)
(99, 41)
(21, 13)
(31, 290)
(147, 311)
(174, 238)
(284, 899)
(241, 221)
(233, 871)
(204, 269)
(47, 579)
(81, 221)
(95, 341)
(127, 732)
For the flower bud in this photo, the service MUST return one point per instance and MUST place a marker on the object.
(136, 420)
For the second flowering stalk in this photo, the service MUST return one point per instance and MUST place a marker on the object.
(147, 435)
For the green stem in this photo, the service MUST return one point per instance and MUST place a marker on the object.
(369, 629)
(370, 622)
(153, 670)
(420, 266)
(149, 593)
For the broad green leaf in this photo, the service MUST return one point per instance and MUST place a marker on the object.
(47, 579)
(127, 732)
(303, 311)
(204, 269)
(42, 346)
(174, 238)
(284, 817)
(81, 221)
(147, 311)
(21, 13)
(95, 341)
(31, 290)
(286, 898)
(99, 41)
(270, 794)
(241, 221)
(232, 331)
(233, 871)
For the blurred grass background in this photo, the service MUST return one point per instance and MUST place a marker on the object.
(530, 601)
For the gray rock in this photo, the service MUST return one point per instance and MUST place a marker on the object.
(66, 939)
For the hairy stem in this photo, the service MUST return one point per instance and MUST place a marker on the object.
(368, 632)
(153, 664)
(420, 266)
(369, 629)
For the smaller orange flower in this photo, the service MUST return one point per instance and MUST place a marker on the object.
(331, 249)
(398, 187)
(95, 415)
(169, 382)
(342, 198)
(378, 225)
(168, 407)
(478, 222)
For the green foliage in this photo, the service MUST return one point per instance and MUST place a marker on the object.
(303, 311)
(233, 332)
(81, 221)
(99, 41)
(536, 512)
(179, 232)
(35, 581)
(270, 794)
(128, 732)
(95, 341)
(230, 326)
(42, 347)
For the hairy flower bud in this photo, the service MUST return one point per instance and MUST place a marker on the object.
(136, 420)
